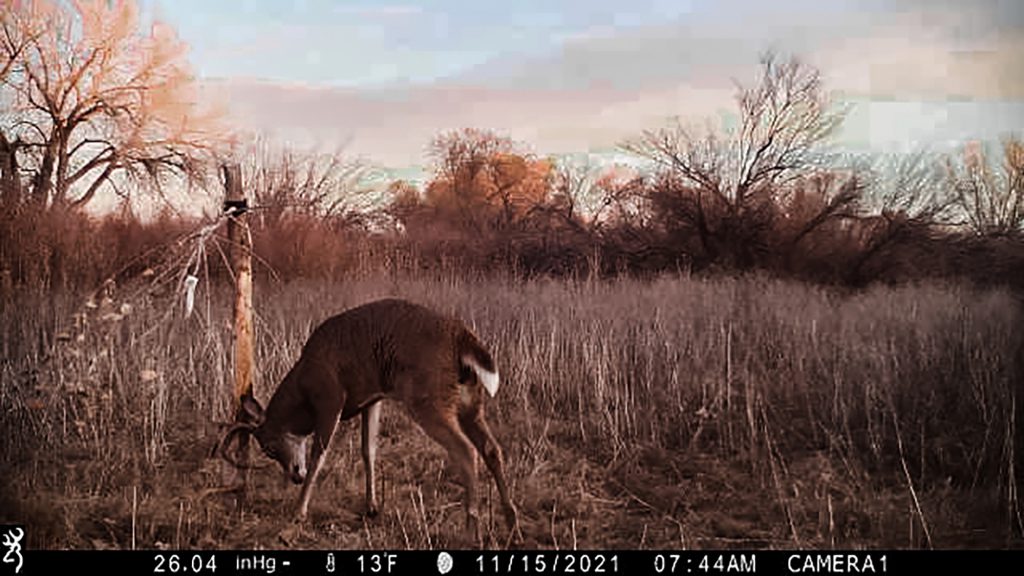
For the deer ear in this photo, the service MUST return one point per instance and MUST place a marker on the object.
(251, 410)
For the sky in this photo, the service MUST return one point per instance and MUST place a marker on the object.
(380, 79)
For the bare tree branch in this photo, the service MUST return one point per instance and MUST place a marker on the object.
(95, 96)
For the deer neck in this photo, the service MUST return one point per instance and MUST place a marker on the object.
(288, 411)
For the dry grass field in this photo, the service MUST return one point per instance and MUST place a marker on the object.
(668, 413)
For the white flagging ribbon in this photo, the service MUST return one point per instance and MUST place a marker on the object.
(190, 294)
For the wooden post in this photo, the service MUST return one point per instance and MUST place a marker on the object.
(236, 206)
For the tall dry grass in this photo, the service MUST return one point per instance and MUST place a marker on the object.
(633, 413)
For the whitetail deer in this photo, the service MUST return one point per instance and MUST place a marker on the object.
(392, 349)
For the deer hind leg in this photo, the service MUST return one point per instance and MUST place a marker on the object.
(476, 428)
(371, 428)
(322, 433)
(443, 427)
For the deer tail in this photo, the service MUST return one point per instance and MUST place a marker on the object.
(474, 356)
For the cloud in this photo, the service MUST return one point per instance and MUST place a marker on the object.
(375, 11)
(907, 67)
(908, 61)
(906, 51)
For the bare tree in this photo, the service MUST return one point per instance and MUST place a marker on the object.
(92, 99)
(327, 185)
(902, 200)
(782, 120)
(585, 194)
(726, 188)
(989, 200)
(812, 201)
(909, 184)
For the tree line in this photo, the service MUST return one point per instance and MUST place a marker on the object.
(94, 106)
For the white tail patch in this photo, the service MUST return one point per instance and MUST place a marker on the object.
(486, 377)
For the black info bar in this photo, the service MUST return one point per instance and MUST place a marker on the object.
(463, 562)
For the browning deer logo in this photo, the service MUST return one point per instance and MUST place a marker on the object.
(12, 541)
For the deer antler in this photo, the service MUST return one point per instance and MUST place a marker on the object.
(222, 450)
(222, 446)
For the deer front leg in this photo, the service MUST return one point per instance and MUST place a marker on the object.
(321, 440)
(371, 427)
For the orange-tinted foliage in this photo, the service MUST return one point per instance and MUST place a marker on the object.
(94, 99)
